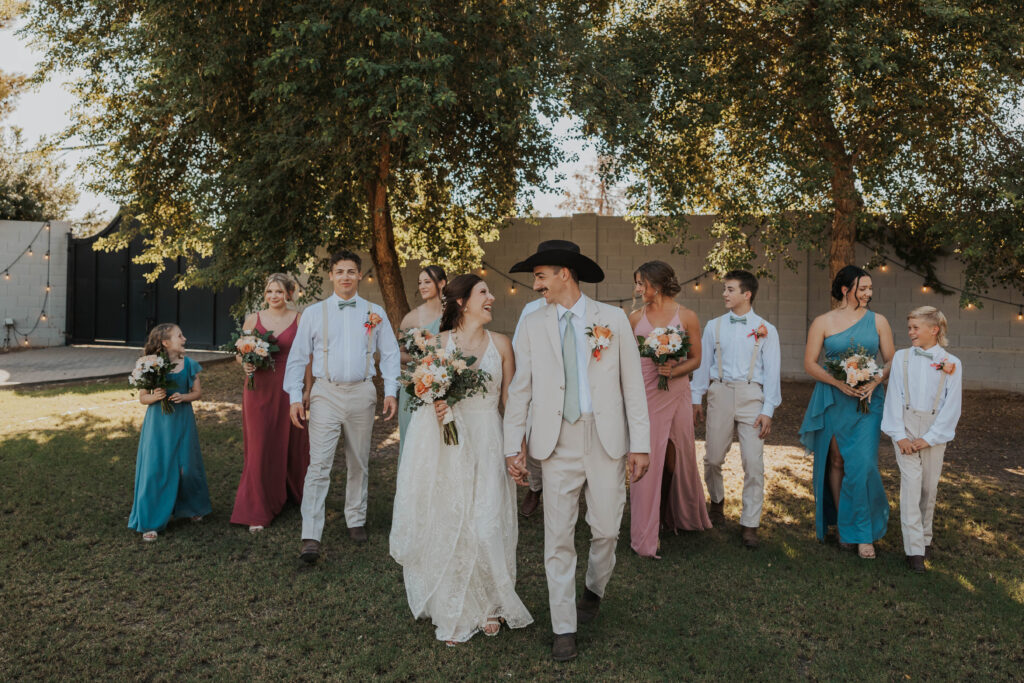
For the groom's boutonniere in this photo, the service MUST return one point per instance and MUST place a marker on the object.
(758, 333)
(599, 337)
(372, 321)
(945, 366)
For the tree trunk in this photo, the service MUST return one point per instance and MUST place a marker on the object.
(382, 239)
(844, 222)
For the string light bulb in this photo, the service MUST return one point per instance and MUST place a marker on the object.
(512, 289)
(1020, 313)
(47, 256)
(483, 272)
(47, 226)
(696, 286)
(43, 316)
(47, 286)
(885, 268)
(924, 288)
(7, 276)
(30, 251)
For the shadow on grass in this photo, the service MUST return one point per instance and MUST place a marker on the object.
(210, 600)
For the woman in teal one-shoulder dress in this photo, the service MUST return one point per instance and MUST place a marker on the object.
(848, 490)
(426, 316)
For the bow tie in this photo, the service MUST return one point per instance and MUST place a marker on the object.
(342, 305)
(919, 352)
(734, 319)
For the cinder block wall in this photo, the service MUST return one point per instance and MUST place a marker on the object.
(23, 296)
(990, 340)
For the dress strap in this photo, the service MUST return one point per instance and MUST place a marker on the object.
(259, 322)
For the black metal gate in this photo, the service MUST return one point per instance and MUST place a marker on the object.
(110, 302)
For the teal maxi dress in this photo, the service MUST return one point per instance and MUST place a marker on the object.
(170, 480)
(404, 409)
(863, 512)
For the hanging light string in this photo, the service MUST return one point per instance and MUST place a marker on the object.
(46, 294)
(27, 250)
(934, 281)
(516, 283)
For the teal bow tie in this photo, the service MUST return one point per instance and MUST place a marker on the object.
(919, 352)
(734, 319)
(342, 305)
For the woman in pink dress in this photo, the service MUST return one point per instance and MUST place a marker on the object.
(276, 452)
(671, 495)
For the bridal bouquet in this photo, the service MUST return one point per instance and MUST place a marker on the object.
(857, 369)
(416, 341)
(253, 347)
(151, 373)
(663, 344)
(443, 375)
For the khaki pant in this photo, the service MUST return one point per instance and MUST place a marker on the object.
(580, 464)
(919, 483)
(733, 407)
(333, 408)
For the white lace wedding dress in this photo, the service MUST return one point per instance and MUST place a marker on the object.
(454, 529)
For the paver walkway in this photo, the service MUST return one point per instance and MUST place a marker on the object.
(70, 363)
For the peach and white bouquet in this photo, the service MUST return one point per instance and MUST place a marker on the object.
(255, 348)
(443, 375)
(857, 368)
(417, 341)
(151, 373)
(663, 344)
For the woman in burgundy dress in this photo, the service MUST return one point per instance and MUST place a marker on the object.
(671, 495)
(276, 452)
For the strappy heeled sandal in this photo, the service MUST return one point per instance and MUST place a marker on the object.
(493, 621)
(866, 551)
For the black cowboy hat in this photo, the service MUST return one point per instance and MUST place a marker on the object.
(561, 253)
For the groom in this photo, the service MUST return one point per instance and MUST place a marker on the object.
(578, 368)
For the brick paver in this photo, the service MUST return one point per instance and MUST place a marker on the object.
(69, 363)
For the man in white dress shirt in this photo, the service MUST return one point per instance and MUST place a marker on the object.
(922, 408)
(578, 378)
(342, 333)
(532, 499)
(740, 370)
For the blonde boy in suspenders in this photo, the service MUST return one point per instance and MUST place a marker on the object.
(922, 407)
(740, 371)
(342, 333)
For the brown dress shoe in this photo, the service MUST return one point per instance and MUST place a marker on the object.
(749, 536)
(916, 563)
(587, 606)
(531, 501)
(357, 534)
(564, 648)
(716, 511)
(310, 552)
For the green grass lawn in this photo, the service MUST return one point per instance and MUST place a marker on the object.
(84, 598)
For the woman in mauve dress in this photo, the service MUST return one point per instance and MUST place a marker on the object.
(276, 452)
(671, 495)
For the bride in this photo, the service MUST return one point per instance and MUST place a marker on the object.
(454, 529)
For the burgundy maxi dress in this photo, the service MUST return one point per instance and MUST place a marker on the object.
(671, 415)
(276, 452)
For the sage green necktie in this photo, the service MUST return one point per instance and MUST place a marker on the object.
(571, 405)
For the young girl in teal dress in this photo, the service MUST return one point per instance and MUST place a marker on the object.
(848, 488)
(170, 480)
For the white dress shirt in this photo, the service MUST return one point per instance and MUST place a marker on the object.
(579, 326)
(737, 346)
(529, 308)
(348, 343)
(924, 382)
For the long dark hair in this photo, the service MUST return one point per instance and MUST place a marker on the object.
(157, 336)
(437, 276)
(460, 287)
(848, 277)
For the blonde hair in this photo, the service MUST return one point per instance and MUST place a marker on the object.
(932, 316)
(284, 280)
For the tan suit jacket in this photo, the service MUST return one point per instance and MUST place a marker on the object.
(616, 385)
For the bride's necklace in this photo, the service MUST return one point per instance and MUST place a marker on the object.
(465, 348)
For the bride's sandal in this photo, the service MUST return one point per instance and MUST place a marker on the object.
(866, 551)
(492, 626)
